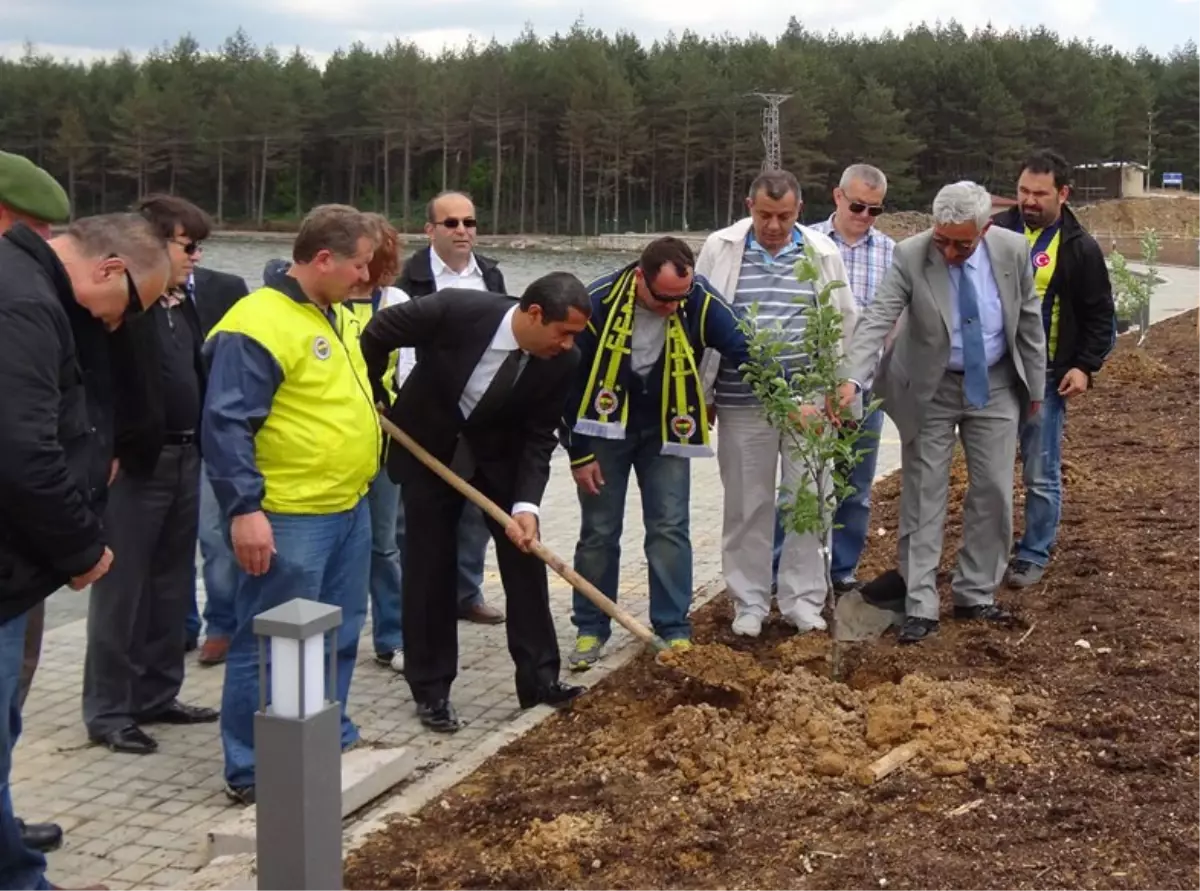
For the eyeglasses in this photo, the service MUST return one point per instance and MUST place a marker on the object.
(191, 248)
(667, 298)
(941, 242)
(454, 222)
(873, 209)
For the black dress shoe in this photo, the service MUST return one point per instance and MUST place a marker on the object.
(556, 695)
(44, 837)
(439, 716)
(988, 612)
(915, 629)
(131, 740)
(886, 590)
(177, 712)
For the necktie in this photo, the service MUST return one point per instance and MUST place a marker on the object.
(500, 388)
(975, 368)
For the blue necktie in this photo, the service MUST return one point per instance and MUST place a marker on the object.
(975, 367)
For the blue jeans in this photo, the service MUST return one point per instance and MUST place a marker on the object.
(1041, 454)
(383, 501)
(665, 484)
(20, 867)
(852, 521)
(319, 557)
(220, 569)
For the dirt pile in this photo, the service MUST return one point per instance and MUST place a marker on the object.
(1177, 216)
(904, 223)
(801, 728)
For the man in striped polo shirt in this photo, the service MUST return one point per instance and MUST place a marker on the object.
(752, 262)
(867, 253)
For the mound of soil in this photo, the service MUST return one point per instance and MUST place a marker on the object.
(1177, 215)
(1042, 762)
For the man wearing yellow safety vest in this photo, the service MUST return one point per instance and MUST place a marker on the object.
(291, 443)
(637, 407)
(1071, 278)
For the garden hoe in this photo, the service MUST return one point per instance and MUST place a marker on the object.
(578, 582)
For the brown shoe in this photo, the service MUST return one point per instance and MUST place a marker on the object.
(214, 651)
(482, 614)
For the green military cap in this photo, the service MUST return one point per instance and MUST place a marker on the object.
(28, 189)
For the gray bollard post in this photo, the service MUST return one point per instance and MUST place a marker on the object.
(297, 750)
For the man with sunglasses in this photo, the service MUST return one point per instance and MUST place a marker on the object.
(867, 253)
(970, 358)
(637, 407)
(450, 261)
(138, 613)
(59, 300)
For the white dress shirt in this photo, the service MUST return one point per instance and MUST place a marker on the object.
(444, 277)
(504, 341)
(408, 355)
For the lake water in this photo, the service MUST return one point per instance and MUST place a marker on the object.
(247, 257)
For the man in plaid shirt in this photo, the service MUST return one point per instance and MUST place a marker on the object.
(867, 253)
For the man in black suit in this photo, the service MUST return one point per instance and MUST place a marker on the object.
(214, 294)
(484, 398)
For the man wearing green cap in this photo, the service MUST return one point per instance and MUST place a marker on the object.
(30, 195)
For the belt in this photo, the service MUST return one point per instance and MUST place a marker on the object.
(181, 438)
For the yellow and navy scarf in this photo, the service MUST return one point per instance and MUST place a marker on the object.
(604, 409)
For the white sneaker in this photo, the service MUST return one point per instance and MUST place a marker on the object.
(747, 625)
(803, 624)
(395, 661)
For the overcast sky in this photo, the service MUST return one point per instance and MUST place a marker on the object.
(87, 29)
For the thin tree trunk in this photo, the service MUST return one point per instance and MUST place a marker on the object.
(445, 147)
(524, 169)
(596, 202)
(732, 176)
(536, 180)
(570, 187)
(407, 171)
(497, 174)
(582, 171)
(262, 182)
(554, 185)
(687, 160)
(653, 190)
(220, 181)
(387, 178)
(299, 171)
(617, 189)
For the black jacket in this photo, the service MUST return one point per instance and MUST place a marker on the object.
(417, 279)
(452, 329)
(215, 294)
(56, 421)
(1085, 300)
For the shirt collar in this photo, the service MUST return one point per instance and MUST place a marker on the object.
(439, 267)
(504, 338)
(752, 242)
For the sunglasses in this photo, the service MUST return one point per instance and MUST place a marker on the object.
(873, 209)
(666, 298)
(454, 222)
(191, 248)
(134, 307)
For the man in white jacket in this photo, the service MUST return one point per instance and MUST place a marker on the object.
(751, 262)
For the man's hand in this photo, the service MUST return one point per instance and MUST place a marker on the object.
(1073, 383)
(847, 393)
(1034, 408)
(112, 470)
(253, 542)
(589, 478)
(79, 582)
(804, 415)
(522, 530)
(711, 410)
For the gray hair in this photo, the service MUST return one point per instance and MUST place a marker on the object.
(871, 177)
(776, 183)
(431, 207)
(962, 202)
(129, 236)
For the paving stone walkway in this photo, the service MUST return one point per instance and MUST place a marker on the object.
(140, 821)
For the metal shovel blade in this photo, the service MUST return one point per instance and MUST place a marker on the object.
(855, 619)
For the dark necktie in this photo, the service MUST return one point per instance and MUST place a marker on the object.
(501, 386)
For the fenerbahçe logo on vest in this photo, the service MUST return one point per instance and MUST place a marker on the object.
(321, 348)
(1041, 260)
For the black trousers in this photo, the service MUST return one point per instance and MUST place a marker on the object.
(137, 613)
(432, 509)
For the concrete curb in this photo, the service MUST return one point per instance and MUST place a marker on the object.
(233, 868)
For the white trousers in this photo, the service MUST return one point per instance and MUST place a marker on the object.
(751, 453)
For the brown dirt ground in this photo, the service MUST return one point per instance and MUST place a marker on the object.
(1079, 765)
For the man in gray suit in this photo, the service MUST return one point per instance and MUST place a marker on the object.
(968, 355)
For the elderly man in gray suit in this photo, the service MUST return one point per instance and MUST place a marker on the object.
(971, 355)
